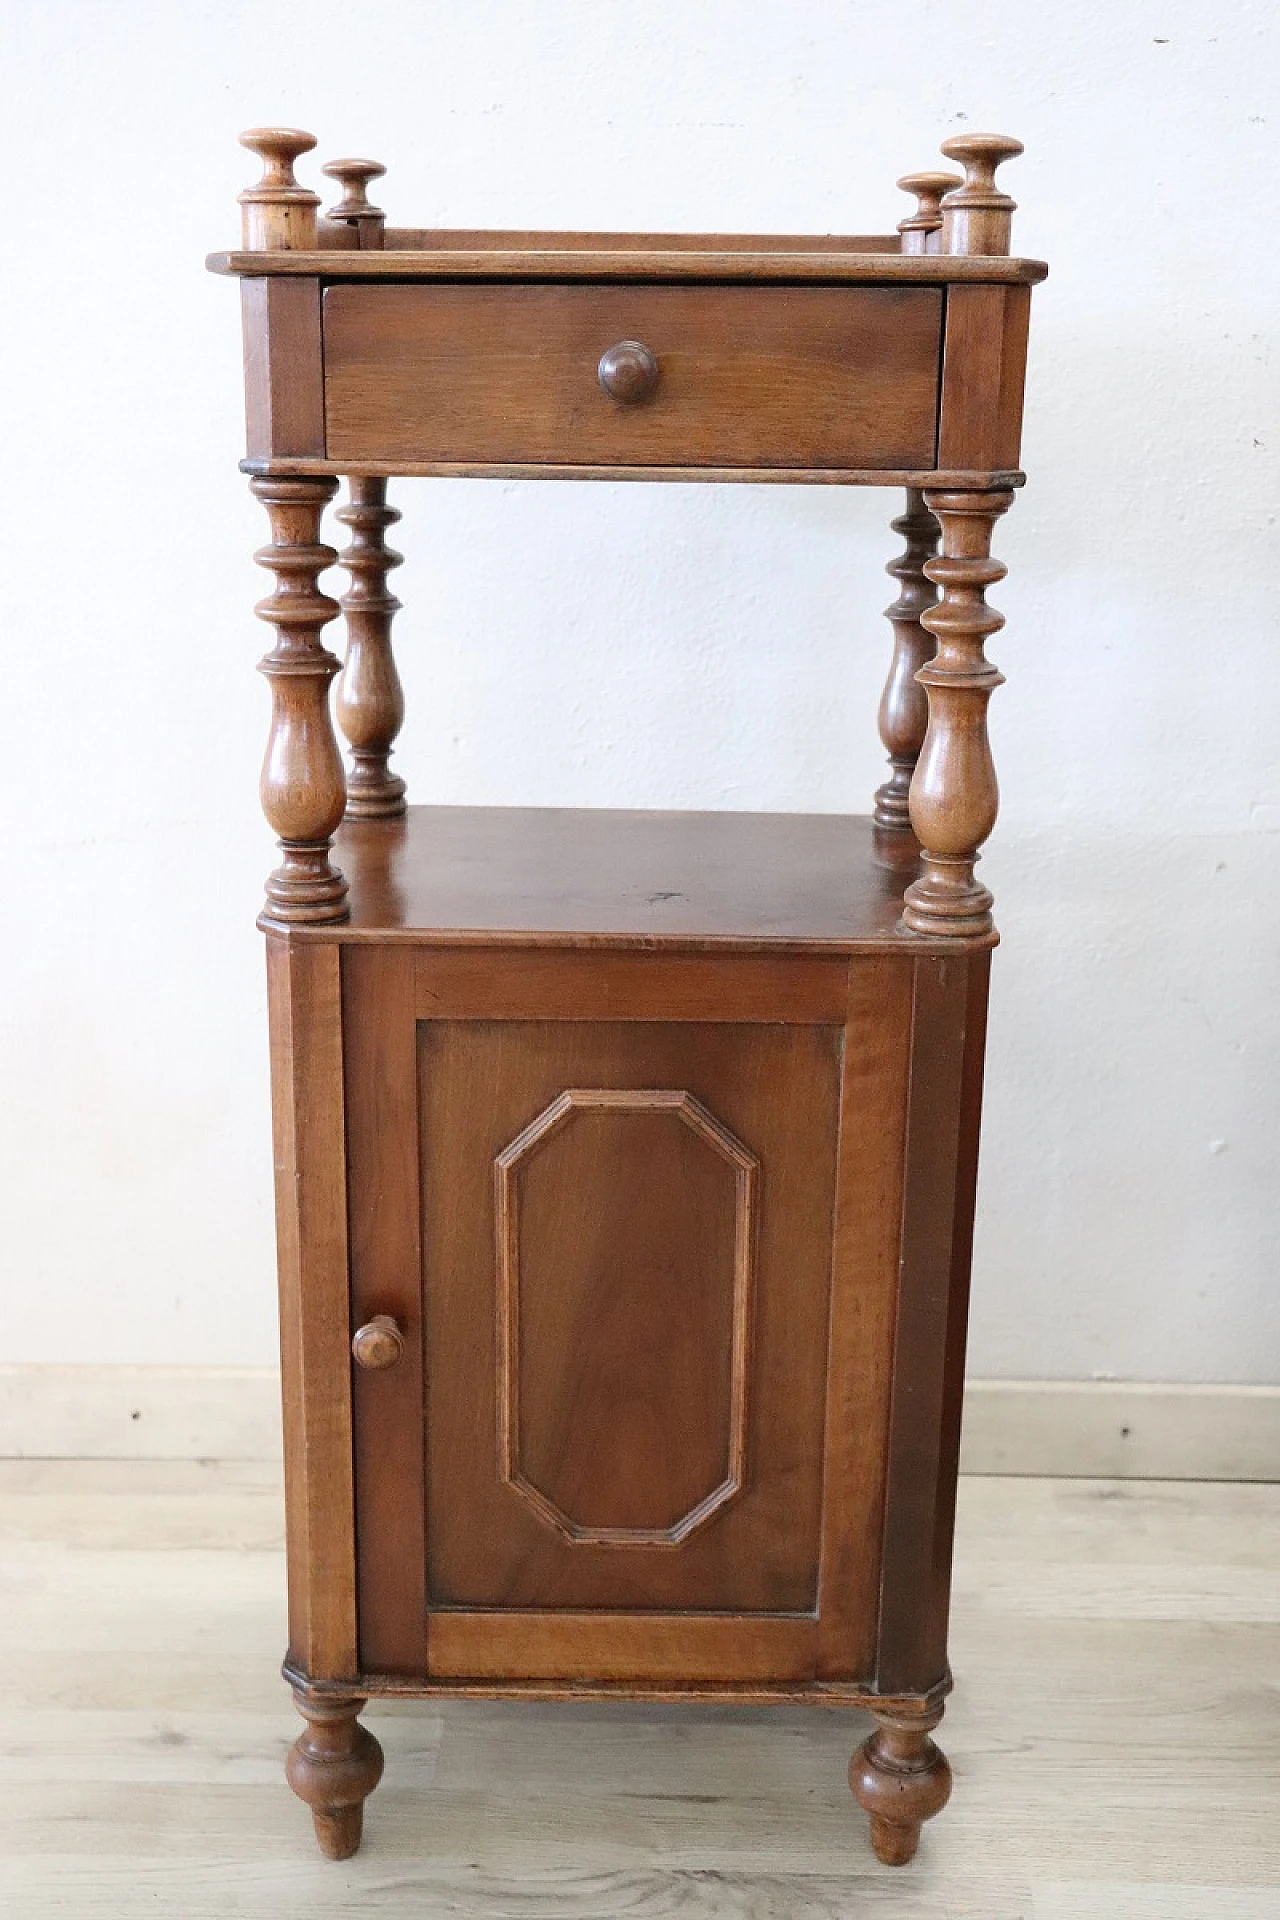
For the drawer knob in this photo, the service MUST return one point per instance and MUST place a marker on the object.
(628, 371)
(378, 1344)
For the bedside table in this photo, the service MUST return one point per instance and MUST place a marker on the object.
(625, 1161)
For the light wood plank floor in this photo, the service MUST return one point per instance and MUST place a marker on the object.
(1115, 1734)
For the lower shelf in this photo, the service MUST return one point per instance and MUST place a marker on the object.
(579, 876)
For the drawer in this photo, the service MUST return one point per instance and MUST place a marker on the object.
(841, 377)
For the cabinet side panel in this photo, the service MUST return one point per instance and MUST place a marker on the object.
(864, 1285)
(984, 363)
(943, 1112)
(382, 1162)
(311, 1233)
(283, 368)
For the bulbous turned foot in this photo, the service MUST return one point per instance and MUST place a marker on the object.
(901, 1779)
(334, 1765)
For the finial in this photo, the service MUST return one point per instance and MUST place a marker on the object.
(277, 214)
(353, 176)
(977, 217)
(928, 189)
(353, 210)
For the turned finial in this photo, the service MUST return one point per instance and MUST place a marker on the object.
(976, 216)
(928, 189)
(277, 214)
(354, 210)
(353, 176)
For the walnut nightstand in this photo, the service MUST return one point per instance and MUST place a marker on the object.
(625, 1161)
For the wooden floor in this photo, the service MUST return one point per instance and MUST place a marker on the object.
(1115, 1733)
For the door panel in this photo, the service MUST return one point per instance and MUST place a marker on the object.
(626, 1255)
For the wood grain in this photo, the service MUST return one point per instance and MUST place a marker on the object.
(944, 1105)
(591, 263)
(652, 1356)
(462, 983)
(283, 369)
(311, 1236)
(531, 240)
(668, 476)
(621, 1408)
(984, 365)
(558, 877)
(864, 1291)
(386, 1264)
(651, 1648)
(755, 377)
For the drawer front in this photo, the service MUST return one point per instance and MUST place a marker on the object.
(745, 376)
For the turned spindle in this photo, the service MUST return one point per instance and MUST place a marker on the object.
(302, 788)
(370, 699)
(277, 214)
(904, 705)
(354, 210)
(333, 1765)
(954, 796)
(901, 1778)
(976, 216)
(928, 189)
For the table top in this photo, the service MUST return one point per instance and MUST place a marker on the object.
(441, 254)
(582, 877)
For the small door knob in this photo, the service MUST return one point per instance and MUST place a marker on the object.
(628, 372)
(378, 1344)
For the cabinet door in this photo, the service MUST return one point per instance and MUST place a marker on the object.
(604, 1455)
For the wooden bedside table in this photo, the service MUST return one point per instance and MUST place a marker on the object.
(625, 1161)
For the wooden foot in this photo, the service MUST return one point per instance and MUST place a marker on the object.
(334, 1765)
(901, 1779)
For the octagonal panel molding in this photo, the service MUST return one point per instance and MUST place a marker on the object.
(731, 1232)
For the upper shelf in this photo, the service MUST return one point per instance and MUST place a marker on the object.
(665, 257)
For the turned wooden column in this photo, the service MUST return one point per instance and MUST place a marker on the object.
(954, 796)
(904, 705)
(333, 1765)
(302, 788)
(901, 1779)
(369, 698)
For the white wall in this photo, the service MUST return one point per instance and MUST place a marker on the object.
(633, 645)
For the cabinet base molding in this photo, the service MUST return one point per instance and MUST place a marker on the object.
(834, 1694)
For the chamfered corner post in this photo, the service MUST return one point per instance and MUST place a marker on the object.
(333, 1765)
(302, 787)
(904, 705)
(976, 216)
(369, 697)
(954, 796)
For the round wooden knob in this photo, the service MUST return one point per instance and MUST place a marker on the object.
(928, 189)
(977, 216)
(378, 1344)
(628, 372)
(278, 148)
(353, 176)
(277, 214)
